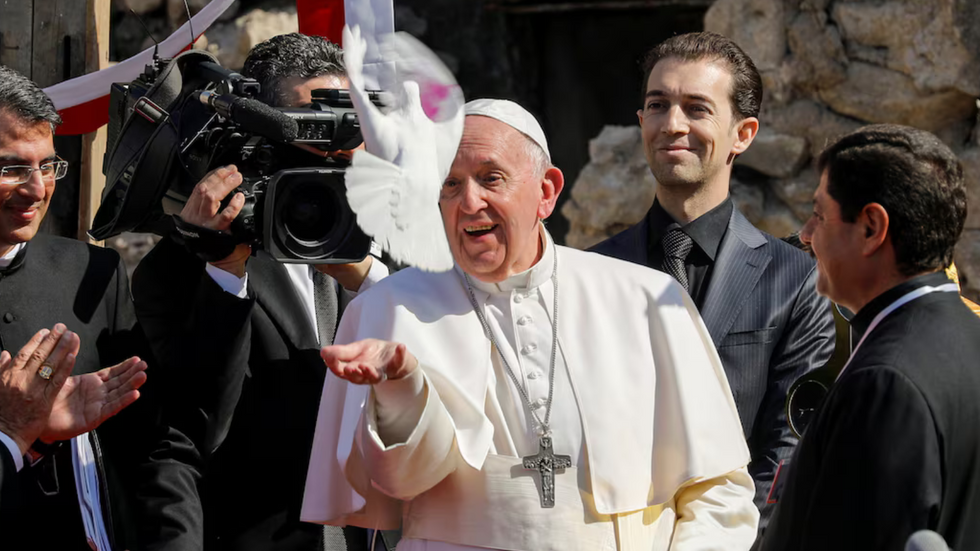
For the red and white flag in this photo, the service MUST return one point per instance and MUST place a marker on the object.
(83, 102)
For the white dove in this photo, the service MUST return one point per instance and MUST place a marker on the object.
(393, 187)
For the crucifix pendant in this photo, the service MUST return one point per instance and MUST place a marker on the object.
(546, 463)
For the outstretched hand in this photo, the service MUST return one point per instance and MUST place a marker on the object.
(369, 361)
(86, 401)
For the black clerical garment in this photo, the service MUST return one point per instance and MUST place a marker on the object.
(896, 446)
(62, 280)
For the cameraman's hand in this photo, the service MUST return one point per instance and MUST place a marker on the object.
(203, 208)
(350, 276)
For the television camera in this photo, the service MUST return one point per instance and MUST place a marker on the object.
(186, 116)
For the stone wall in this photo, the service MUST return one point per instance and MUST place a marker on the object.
(828, 66)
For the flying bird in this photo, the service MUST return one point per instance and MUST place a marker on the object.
(393, 185)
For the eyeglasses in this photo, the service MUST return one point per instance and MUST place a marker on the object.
(18, 174)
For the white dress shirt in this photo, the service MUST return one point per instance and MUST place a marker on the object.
(301, 275)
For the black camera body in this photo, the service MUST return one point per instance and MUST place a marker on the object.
(185, 117)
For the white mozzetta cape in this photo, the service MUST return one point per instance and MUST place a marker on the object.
(656, 409)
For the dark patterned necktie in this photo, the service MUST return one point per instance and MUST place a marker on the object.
(677, 245)
(325, 304)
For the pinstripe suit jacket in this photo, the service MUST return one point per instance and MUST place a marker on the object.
(768, 324)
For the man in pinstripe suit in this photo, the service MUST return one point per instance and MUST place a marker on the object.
(755, 293)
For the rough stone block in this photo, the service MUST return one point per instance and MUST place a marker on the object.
(774, 154)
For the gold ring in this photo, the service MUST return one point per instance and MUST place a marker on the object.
(45, 372)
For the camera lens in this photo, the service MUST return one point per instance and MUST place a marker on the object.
(311, 217)
(309, 212)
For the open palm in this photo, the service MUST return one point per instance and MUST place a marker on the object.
(369, 361)
(86, 401)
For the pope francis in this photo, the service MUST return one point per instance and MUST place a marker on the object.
(536, 397)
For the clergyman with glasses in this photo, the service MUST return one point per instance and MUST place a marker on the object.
(76, 481)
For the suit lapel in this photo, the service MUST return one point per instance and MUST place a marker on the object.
(742, 258)
(634, 242)
(275, 292)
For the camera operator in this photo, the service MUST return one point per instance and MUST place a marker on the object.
(245, 333)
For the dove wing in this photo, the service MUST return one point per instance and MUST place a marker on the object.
(380, 134)
(403, 222)
(396, 197)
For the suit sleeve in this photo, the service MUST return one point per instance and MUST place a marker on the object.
(199, 336)
(149, 491)
(879, 475)
(806, 344)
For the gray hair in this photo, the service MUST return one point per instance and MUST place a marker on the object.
(536, 155)
(24, 99)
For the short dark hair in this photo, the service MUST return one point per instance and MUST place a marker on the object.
(23, 98)
(291, 55)
(746, 93)
(914, 176)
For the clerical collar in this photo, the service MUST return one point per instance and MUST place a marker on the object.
(706, 230)
(531, 278)
(13, 259)
(862, 319)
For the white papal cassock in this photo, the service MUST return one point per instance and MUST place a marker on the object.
(641, 404)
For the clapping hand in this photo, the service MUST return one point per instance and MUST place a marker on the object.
(31, 381)
(40, 399)
(86, 401)
(369, 361)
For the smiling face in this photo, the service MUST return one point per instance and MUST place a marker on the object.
(836, 245)
(493, 198)
(688, 126)
(23, 206)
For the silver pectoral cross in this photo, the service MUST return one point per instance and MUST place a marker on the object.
(546, 463)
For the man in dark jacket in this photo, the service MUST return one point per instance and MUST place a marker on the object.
(755, 293)
(248, 330)
(895, 447)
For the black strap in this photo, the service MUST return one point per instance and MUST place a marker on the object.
(139, 167)
(209, 245)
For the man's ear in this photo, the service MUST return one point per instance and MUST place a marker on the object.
(639, 116)
(552, 183)
(875, 222)
(746, 130)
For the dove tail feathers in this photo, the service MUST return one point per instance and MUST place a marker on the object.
(374, 188)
